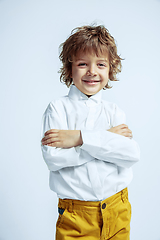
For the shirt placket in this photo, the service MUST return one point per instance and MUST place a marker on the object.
(92, 166)
(90, 117)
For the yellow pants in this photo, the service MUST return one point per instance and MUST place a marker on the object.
(85, 220)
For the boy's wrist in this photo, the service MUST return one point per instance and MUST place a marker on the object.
(79, 138)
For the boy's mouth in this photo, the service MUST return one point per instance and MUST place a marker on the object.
(91, 81)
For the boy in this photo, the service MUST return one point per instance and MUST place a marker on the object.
(87, 146)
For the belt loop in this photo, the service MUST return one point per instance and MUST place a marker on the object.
(70, 208)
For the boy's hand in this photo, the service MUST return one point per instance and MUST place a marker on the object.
(62, 138)
(122, 130)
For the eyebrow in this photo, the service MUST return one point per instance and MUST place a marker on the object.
(83, 59)
(104, 60)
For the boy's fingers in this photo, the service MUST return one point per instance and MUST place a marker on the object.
(54, 144)
(126, 130)
(50, 135)
(51, 131)
(123, 126)
(50, 141)
(49, 138)
(128, 134)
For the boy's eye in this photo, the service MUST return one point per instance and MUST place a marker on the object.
(82, 64)
(101, 64)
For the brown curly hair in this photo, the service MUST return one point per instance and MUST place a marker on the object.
(89, 39)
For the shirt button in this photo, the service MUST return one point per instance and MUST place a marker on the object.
(103, 205)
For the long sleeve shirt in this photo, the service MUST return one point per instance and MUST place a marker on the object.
(101, 166)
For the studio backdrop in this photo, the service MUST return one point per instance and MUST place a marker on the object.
(30, 34)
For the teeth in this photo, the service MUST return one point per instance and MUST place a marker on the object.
(91, 81)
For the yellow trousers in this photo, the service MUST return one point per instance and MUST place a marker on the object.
(85, 220)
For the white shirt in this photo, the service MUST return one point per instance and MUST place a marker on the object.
(100, 167)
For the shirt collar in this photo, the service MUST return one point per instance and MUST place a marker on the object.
(76, 94)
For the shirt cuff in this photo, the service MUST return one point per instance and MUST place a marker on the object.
(91, 141)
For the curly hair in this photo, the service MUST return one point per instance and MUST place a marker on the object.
(89, 39)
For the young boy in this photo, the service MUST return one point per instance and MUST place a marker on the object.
(87, 146)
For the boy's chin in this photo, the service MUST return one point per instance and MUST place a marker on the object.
(88, 94)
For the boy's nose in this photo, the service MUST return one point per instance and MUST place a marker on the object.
(91, 71)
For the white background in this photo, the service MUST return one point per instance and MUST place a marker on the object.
(30, 34)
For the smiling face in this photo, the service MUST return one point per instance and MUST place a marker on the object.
(90, 73)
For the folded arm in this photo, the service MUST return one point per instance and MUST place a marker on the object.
(59, 147)
(62, 138)
(60, 152)
(73, 138)
(114, 145)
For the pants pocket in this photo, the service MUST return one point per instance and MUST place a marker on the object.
(60, 217)
(119, 222)
(61, 211)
